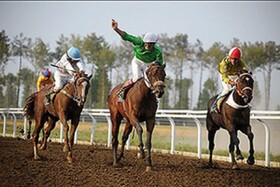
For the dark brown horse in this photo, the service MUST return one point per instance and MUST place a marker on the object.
(67, 105)
(139, 105)
(234, 116)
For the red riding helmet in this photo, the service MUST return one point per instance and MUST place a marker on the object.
(235, 53)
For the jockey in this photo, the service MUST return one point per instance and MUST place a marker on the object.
(145, 52)
(44, 80)
(69, 63)
(228, 69)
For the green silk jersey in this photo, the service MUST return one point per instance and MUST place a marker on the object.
(141, 53)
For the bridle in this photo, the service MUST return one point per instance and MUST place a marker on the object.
(240, 90)
(75, 97)
(148, 82)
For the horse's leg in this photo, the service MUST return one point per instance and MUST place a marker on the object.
(49, 128)
(116, 121)
(127, 131)
(66, 129)
(29, 129)
(39, 123)
(211, 136)
(139, 131)
(74, 125)
(150, 124)
(212, 129)
(239, 156)
(249, 133)
(234, 141)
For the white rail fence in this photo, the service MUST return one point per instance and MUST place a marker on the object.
(170, 115)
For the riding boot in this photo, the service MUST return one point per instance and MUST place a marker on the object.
(124, 87)
(214, 107)
(48, 95)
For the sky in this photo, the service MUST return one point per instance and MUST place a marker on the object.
(208, 21)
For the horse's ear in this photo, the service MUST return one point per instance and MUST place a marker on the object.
(250, 72)
(89, 77)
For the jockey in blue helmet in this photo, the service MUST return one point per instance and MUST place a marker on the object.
(69, 63)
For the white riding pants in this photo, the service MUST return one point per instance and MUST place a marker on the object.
(227, 87)
(138, 67)
(61, 79)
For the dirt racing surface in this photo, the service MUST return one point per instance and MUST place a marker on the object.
(93, 167)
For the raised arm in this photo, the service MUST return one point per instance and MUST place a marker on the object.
(115, 27)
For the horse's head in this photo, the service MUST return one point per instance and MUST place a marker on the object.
(155, 77)
(245, 85)
(82, 85)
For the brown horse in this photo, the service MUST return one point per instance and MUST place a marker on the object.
(139, 105)
(67, 105)
(234, 116)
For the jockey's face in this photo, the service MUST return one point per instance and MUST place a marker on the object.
(149, 46)
(234, 61)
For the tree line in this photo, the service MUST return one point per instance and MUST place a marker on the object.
(110, 65)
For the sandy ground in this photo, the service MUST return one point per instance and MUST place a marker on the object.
(93, 167)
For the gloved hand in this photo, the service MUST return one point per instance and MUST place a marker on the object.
(232, 82)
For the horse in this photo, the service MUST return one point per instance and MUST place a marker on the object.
(66, 105)
(139, 105)
(234, 116)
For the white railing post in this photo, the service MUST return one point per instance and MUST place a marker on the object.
(172, 123)
(267, 143)
(109, 140)
(199, 137)
(15, 125)
(4, 124)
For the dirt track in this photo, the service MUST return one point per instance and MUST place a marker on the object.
(93, 167)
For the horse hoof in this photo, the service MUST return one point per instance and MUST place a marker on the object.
(37, 158)
(149, 168)
(251, 161)
(116, 165)
(140, 155)
(42, 147)
(235, 167)
(70, 160)
(239, 157)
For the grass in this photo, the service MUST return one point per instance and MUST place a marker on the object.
(185, 137)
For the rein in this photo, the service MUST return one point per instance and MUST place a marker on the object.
(73, 96)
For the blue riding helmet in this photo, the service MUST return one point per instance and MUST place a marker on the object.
(74, 53)
(47, 73)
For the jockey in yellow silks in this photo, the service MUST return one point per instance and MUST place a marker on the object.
(228, 69)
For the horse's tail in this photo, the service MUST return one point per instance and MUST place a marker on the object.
(28, 110)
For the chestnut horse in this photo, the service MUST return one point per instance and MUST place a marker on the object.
(234, 116)
(67, 105)
(139, 105)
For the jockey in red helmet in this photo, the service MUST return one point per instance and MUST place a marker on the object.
(228, 69)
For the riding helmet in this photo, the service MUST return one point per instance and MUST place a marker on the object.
(74, 53)
(235, 53)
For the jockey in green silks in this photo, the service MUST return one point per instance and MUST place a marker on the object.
(145, 52)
